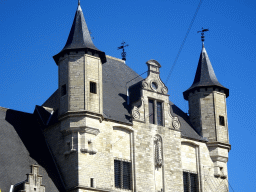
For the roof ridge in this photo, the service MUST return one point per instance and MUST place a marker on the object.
(117, 59)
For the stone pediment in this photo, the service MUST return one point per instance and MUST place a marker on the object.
(153, 81)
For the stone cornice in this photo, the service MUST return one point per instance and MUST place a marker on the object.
(81, 113)
(219, 144)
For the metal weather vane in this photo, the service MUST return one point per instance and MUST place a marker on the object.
(123, 54)
(202, 33)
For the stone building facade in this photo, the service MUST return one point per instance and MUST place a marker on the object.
(106, 129)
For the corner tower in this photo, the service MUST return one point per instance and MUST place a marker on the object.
(80, 70)
(80, 112)
(208, 112)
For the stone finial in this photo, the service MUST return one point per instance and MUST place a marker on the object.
(153, 66)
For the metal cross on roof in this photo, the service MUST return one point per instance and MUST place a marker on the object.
(123, 54)
(202, 33)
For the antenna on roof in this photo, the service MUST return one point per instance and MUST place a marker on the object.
(123, 54)
(202, 33)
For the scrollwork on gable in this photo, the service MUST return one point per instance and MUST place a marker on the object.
(175, 121)
(138, 111)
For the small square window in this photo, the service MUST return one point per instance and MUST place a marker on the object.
(63, 90)
(222, 121)
(93, 87)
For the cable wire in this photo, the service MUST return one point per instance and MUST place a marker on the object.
(183, 42)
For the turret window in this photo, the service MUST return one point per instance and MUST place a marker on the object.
(63, 90)
(155, 112)
(93, 87)
(222, 120)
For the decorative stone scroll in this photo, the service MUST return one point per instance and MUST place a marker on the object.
(138, 111)
(158, 151)
(175, 120)
(135, 113)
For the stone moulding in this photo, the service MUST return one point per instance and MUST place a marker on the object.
(82, 113)
(84, 129)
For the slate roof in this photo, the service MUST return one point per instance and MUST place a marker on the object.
(22, 144)
(79, 38)
(186, 127)
(205, 76)
(117, 77)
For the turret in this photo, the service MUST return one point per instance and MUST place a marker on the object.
(208, 112)
(80, 70)
(80, 111)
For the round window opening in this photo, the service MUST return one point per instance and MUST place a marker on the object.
(154, 85)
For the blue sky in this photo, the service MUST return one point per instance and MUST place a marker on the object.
(32, 32)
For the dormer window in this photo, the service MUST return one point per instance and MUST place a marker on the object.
(155, 112)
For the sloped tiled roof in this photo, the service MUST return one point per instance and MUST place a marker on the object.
(79, 37)
(117, 77)
(186, 128)
(22, 144)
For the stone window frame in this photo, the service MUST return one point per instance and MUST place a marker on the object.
(131, 130)
(189, 173)
(198, 164)
(155, 111)
(122, 162)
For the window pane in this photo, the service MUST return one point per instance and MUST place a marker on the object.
(193, 182)
(159, 114)
(185, 182)
(126, 175)
(151, 111)
(117, 165)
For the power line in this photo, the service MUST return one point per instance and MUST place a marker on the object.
(183, 42)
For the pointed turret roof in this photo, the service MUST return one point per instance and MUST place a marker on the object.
(79, 37)
(205, 76)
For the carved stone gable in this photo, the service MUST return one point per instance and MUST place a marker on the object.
(153, 81)
(34, 181)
